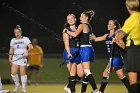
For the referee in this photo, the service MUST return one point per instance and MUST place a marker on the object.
(131, 29)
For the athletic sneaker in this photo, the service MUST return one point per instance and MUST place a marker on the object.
(67, 89)
(4, 91)
(95, 92)
(23, 90)
(16, 88)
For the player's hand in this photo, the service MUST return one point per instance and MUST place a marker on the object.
(69, 56)
(25, 53)
(65, 30)
(10, 61)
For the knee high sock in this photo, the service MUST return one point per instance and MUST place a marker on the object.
(24, 81)
(15, 79)
(126, 83)
(84, 84)
(92, 82)
(72, 84)
(103, 84)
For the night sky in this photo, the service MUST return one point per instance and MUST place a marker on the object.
(50, 15)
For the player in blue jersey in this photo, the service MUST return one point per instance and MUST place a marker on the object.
(114, 49)
(86, 50)
(72, 57)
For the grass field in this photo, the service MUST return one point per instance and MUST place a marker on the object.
(54, 78)
(58, 88)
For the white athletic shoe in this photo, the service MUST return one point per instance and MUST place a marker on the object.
(95, 91)
(16, 88)
(23, 90)
(4, 91)
(67, 89)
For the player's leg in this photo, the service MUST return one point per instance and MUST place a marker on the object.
(133, 80)
(72, 78)
(67, 87)
(14, 70)
(23, 78)
(80, 74)
(1, 88)
(104, 81)
(124, 79)
(37, 74)
(86, 66)
(29, 74)
(139, 81)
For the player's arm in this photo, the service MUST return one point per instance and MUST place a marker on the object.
(41, 55)
(30, 47)
(119, 42)
(66, 43)
(120, 34)
(76, 32)
(100, 38)
(11, 51)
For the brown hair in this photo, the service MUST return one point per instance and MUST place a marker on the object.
(116, 23)
(89, 14)
(18, 28)
(132, 5)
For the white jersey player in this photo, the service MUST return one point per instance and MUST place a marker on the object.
(19, 47)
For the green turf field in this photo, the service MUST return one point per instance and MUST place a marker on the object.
(55, 77)
(52, 73)
(58, 88)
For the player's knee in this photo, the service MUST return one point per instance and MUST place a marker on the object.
(80, 73)
(120, 75)
(87, 72)
(22, 73)
(13, 73)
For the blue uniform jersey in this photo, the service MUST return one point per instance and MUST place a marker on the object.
(115, 52)
(74, 49)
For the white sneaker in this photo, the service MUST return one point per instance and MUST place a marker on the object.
(23, 90)
(67, 89)
(4, 91)
(16, 88)
(95, 92)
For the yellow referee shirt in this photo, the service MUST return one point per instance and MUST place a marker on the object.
(132, 28)
(35, 56)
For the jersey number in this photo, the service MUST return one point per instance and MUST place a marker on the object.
(17, 46)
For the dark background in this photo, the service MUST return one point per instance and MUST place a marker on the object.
(52, 15)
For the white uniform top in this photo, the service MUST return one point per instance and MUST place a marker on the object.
(19, 46)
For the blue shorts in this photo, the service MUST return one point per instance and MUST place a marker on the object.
(117, 62)
(87, 54)
(75, 56)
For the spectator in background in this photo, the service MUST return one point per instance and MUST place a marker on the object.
(35, 61)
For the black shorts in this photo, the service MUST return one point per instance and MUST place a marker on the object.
(33, 67)
(132, 61)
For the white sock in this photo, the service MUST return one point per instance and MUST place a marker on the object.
(24, 81)
(15, 79)
(0, 84)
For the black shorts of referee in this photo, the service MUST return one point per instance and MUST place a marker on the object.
(33, 68)
(132, 62)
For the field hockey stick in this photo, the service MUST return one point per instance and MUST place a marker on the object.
(110, 60)
(61, 64)
(76, 53)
